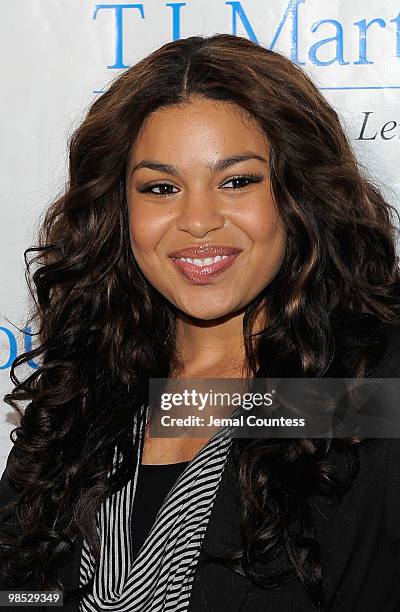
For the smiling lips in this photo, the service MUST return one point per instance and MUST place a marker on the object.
(200, 263)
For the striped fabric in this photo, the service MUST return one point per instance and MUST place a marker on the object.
(160, 578)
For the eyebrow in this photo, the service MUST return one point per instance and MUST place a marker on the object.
(220, 164)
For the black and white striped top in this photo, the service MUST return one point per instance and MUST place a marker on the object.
(153, 484)
(160, 577)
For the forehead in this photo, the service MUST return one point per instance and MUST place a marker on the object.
(200, 127)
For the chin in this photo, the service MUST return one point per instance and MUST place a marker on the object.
(207, 314)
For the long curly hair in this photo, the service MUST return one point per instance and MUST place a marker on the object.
(103, 330)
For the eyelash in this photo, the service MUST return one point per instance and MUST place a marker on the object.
(252, 178)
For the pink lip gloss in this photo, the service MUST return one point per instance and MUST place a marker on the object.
(203, 274)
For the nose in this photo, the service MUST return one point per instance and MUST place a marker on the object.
(199, 214)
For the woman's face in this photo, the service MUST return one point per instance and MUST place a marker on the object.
(181, 193)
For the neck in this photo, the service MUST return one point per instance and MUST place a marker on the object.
(213, 348)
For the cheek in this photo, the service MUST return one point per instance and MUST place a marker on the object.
(272, 238)
(269, 242)
(146, 228)
(265, 228)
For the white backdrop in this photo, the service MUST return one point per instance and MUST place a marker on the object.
(58, 55)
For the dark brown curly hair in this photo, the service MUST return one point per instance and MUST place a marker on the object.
(103, 330)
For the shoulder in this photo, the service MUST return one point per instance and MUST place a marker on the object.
(378, 483)
(388, 363)
(392, 489)
(7, 491)
(8, 497)
(382, 456)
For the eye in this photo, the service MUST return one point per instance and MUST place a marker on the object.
(163, 187)
(243, 181)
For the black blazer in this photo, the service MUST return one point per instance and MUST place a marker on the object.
(359, 538)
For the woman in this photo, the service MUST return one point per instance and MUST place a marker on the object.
(216, 145)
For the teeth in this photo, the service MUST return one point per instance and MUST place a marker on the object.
(203, 262)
